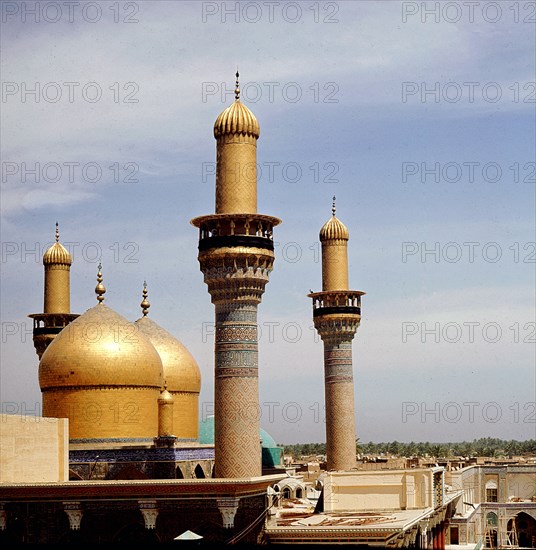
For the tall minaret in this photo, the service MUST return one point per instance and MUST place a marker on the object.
(57, 296)
(236, 255)
(336, 315)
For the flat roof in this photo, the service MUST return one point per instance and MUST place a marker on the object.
(147, 488)
(301, 521)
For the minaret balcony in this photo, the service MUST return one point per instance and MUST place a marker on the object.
(235, 230)
(51, 323)
(336, 302)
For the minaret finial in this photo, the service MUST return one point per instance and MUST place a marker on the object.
(237, 87)
(333, 209)
(57, 232)
(145, 305)
(100, 289)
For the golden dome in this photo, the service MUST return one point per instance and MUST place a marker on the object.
(334, 229)
(100, 348)
(57, 254)
(181, 371)
(237, 119)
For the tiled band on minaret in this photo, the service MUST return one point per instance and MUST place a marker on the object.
(336, 315)
(236, 255)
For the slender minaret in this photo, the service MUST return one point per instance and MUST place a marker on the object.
(236, 255)
(165, 414)
(336, 315)
(57, 296)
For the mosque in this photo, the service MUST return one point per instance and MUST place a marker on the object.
(120, 454)
(123, 454)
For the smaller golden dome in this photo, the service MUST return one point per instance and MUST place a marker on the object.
(57, 254)
(334, 229)
(181, 370)
(237, 119)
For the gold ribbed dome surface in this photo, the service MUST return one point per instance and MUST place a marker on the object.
(334, 229)
(237, 119)
(181, 371)
(57, 254)
(100, 348)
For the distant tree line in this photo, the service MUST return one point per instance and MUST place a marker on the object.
(485, 446)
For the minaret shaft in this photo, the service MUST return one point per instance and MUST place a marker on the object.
(236, 174)
(335, 265)
(237, 422)
(339, 402)
(57, 295)
(236, 278)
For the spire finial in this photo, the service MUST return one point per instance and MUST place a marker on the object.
(100, 289)
(145, 305)
(237, 86)
(333, 209)
(57, 232)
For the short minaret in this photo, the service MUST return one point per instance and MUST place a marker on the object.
(57, 296)
(336, 315)
(165, 414)
(236, 255)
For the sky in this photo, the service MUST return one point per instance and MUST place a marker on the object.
(418, 116)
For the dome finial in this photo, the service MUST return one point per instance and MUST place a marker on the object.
(333, 209)
(100, 289)
(145, 305)
(57, 232)
(237, 86)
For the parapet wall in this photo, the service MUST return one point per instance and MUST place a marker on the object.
(33, 449)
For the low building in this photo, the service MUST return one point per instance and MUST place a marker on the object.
(395, 509)
(498, 509)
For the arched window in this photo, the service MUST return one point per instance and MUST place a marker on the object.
(286, 492)
(299, 492)
(199, 474)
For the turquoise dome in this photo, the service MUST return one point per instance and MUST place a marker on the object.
(272, 455)
(206, 434)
